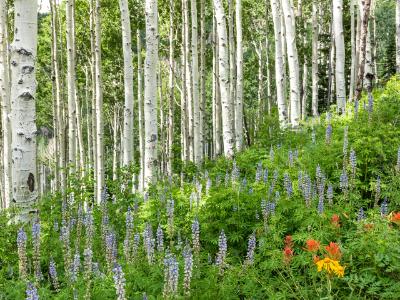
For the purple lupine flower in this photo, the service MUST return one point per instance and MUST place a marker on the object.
(208, 186)
(356, 108)
(321, 205)
(266, 175)
(31, 292)
(271, 153)
(160, 239)
(361, 214)
(65, 239)
(329, 194)
(251, 247)
(227, 178)
(345, 141)
(290, 158)
(96, 270)
(179, 241)
(318, 172)
(353, 162)
(149, 242)
(221, 255)
(87, 263)
(119, 281)
(36, 249)
(171, 275)
(128, 234)
(277, 196)
(328, 134)
(307, 189)
(75, 267)
(196, 236)
(344, 181)
(21, 244)
(53, 274)
(187, 269)
(370, 103)
(136, 242)
(384, 208)
(170, 215)
(398, 161)
(89, 227)
(259, 172)
(111, 246)
(288, 185)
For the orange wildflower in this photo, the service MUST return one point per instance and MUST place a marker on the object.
(287, 254)
(312, 245)
(333, 251)
(288, 241)
(395, 218)
(335, 220)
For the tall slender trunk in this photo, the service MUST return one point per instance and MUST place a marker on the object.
(398, 36)
(363, 46)
(353, 50)
(293, 62)
(188, 82)
(279, 71)
(115, 129)
(260, 79)
(150, 93)
(203, 129)
(140, 111)
(217, 146)
(99, 105)
(5, 106)
(340, 55)
(197, 146)
(223, 76)
(184, 91)
(71, 84)
(304, 89)
(23, 113)
(314, 70)
(89, 162)
(232, 63)
(239, 78)
(127, 142)
(171, 88)
(59, 115)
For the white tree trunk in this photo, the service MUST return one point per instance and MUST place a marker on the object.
(5, 105)
(232, 63)
(279, 71)
(398, 36)
(115, 141)
(127, 142)
(150, 93)
(99, 105)
(227, 132)
(353, 50)
(23, 113)
(314, 70)
(293, 62)
(239, 78)
(71, 84)
(171, 88)
(216, 105)
(140, 111)
(203, 66)
(197, 146)
(340, 55)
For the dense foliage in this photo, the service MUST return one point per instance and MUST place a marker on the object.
(303, 215)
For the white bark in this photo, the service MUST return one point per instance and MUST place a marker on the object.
(239, 78)
(171, 88)
(71, 84)
(314, 70)
(127, 142)
(150, 93)
(203, 66)
(197, 146)
(23, 114)
(99, 105)
(228, 135)
(353, 50)
(293, 62)
(232, 64)
(140, 112)
(340, 55)
(398, 36)
(279, 71)
(216, 105)
(5, 106)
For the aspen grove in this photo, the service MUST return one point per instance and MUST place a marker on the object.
(199, 149)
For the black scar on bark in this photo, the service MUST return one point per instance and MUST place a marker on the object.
(26, 96)
(23, 51)
(27, 69)
(31, 182)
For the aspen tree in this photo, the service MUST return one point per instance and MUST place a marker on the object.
(398, 36)
(314, 67)
(140, 110)
(23, 113)
(150, 93)
(127, 141)
(223, 76)
(5, 106)
(239, 78)
(171, 88)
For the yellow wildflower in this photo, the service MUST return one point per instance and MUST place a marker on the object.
(331, 266)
